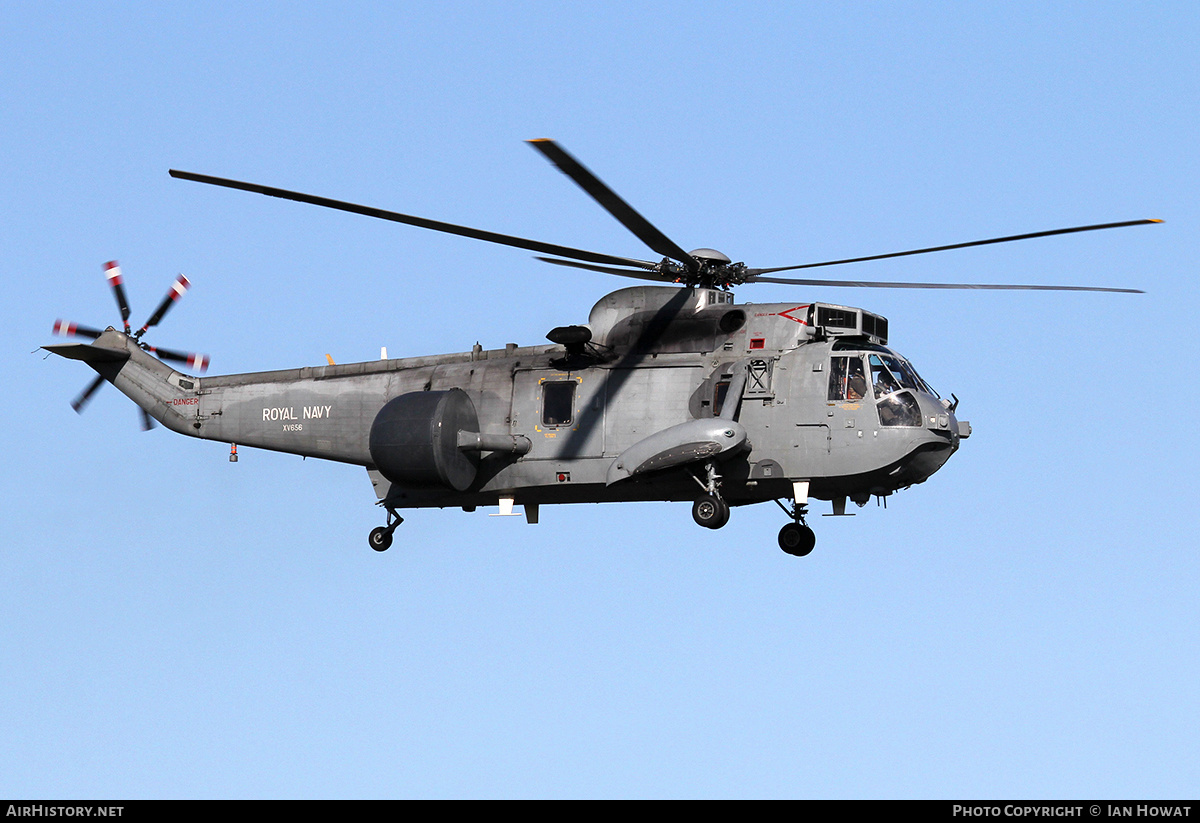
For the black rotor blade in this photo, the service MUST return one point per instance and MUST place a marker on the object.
(613, 204)
(639, 274)
(421, 222)
(64, 329)
(79, 402)
(147, 420)
(1008, 239)
(871, 284)
(178, 289)
(190, 359)
(112, 272)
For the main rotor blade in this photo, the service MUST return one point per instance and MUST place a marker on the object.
(612, 203)
(420, 222)
(178, 289)
(873, 284)
(1008, 239)
(112, 272)
(79, 402)
(638, 274)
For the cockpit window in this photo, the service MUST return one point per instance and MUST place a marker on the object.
(899, 409)
(893, 381)
(847, 379)
(890, 373)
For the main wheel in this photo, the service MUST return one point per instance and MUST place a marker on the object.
(380, 538)
(797, 540)
(710, 511)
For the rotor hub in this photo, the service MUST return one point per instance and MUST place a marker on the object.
(710, 257)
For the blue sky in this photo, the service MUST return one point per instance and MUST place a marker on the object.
(1022, 625)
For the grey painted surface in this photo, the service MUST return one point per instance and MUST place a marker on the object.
(659, 354)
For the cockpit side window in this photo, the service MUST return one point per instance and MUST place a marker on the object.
(847, 380)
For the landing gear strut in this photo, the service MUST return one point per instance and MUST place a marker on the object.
(380, 539)
(796, 538)
(710, 509)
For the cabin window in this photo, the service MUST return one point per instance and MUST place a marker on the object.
(720, 391)
(558, 403)
(847, 379)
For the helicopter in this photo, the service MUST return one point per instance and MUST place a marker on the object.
(670, 392)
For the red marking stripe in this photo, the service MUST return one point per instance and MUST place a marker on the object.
(788, 314)
(180, 287)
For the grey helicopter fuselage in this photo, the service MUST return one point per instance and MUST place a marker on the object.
(669, 392)
(662, 382)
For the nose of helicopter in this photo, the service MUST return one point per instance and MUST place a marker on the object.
(926, 459)
(943, 433)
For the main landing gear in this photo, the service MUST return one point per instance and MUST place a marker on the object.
(380, 539)
(796, 538)
(710, 510)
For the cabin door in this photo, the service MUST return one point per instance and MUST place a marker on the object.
(561, 412)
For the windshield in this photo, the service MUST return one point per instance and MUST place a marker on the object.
(891, 373)
(893, 380)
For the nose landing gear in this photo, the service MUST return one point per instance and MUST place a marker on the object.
(796, 538)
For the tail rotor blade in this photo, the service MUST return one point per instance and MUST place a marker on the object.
(112, 272)
(199, 362)
(64, 329)
(79, 402)
(147, 420)
(178, 289)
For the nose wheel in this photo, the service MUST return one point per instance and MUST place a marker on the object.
(796, 538)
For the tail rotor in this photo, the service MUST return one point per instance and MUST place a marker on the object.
(112, 272)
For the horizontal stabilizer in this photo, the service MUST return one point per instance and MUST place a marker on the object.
(88, 353)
